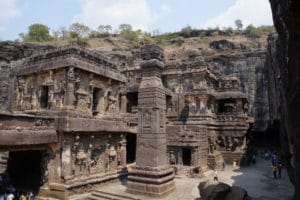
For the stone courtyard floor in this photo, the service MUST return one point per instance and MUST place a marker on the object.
(256, 179)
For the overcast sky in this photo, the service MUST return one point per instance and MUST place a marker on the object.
(148, 15)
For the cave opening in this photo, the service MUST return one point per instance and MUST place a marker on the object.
(24, 170)
(130, 148)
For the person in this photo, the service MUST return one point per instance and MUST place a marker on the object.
(274, 169)
(279, 169)
(216, 175)
(266, 155)
(223, 165)
(29, 196)
(10, 196)
(274, 159)
(22, 197)
(253, 159)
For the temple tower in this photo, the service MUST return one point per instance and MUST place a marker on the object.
(152, 175)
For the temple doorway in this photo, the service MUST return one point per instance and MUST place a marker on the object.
(130, 148)
(44, 97)
(24, 170)
(186, 156)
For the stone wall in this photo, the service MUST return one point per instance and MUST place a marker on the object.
(5, 85)
(285, 73)
(3, 161)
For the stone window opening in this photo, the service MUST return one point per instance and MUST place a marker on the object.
(97, 92)
(44, 100)
(227, 106)
(132, 102)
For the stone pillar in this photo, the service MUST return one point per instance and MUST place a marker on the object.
(152, 175)
(70, 89)
(123, 104)
(66, 159)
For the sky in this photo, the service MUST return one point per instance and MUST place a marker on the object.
(148, 15)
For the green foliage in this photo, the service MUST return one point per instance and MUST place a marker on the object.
(37, 33)
(169, 38)
(128, 34)
(94, 34)
(267, 29)
(104, 29)
(123, 27)
(78, 30)
(256, 32)
(73, 34)
(215, 33)
(252, 31)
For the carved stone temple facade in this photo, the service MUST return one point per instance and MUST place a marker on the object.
(80, 120)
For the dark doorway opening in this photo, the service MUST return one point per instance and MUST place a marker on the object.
(186, 156)
(44, 97)
(130, 148)
(24, 170)
(97, 92)
(132, 102)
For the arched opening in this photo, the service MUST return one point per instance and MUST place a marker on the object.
(24, 170)
(130, 148)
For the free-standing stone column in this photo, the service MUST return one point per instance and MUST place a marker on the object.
(152, 174)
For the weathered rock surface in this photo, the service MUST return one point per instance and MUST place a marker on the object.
(284, 86)
(251, 69)
(10, 51)
(221, 191)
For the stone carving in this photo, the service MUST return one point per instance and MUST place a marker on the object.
(112, 104)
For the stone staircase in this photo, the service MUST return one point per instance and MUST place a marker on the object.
(102, 195)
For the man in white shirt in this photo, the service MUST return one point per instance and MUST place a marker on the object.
(10, 197)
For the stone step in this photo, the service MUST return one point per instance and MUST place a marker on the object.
(101, 195)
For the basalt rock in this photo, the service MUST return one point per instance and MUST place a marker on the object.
(13, 50)
(284, 73)
(221, 191)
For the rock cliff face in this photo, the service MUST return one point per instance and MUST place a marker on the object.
(10, 51)
(251, 69)
(284, 74)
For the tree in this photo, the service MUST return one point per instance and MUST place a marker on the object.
(78, 30)
(37, 32)
(107, 28)
(238, 24)
(22, 36)
(55, 34)
(186, 31)
(101, 28)
(63, 32)
(123, 27)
